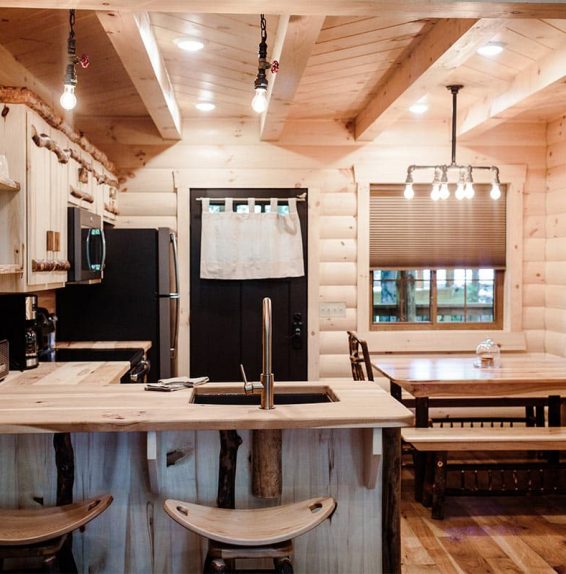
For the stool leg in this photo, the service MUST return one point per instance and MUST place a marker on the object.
(283, 565)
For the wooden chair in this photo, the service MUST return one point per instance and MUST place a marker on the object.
(359, 355)
(256, 533)
(42, 532)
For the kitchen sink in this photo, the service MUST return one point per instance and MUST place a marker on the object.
(242, 399)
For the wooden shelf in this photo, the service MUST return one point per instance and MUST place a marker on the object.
(11, 269)
(9, 185)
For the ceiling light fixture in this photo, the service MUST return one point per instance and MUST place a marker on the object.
(68, 98)
(465, 181)
(259, 102)
(418, 108)
(491, 49)
(205, 106)
(189, 44)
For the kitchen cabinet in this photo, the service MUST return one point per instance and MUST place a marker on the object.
(12, 199)
(53, 170)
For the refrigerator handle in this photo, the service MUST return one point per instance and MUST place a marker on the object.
(175, 297)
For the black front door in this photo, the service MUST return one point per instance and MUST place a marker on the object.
(226, 315)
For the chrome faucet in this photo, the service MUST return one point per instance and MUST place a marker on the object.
(265, 386)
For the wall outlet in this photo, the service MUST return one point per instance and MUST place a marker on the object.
(332, 310)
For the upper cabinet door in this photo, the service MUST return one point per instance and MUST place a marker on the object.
(47, 185)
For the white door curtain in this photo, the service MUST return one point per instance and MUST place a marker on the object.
(251, 245)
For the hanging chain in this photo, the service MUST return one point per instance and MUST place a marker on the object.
(71, 24)
(263, 26)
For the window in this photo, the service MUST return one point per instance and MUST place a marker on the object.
(437, 298)
(436, 265)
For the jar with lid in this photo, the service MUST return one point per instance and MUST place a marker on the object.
(488, 354)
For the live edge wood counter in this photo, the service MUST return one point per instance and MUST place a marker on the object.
(342, 449)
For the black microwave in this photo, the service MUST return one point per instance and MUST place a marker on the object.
(86, 246)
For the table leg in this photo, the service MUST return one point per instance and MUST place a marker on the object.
(395, 390)
(554, 420)
(420, 458)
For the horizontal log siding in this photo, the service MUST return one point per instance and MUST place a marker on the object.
(232, 156)
(554, 318)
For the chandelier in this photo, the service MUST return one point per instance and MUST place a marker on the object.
(464, 178)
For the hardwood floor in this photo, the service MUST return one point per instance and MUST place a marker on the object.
(485, 535)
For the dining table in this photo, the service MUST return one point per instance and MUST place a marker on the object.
(515, 379)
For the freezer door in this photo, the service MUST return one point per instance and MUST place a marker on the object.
(168, 282)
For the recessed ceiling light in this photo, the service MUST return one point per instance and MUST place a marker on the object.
(418, 108)
(189, 44)
(205, 106)
(491, 49)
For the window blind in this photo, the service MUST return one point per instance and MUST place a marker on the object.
(421, 233)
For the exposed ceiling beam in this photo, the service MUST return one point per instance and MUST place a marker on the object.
(409, 8)
(134, 41)
(446, 46)
(495, 109)
(295, 39)
(12, 73)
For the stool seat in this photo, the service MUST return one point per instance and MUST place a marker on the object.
(252, 527)
(34, 525)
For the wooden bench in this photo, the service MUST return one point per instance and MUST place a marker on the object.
(440, 441)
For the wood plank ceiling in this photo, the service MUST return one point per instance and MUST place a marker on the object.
(351, 63)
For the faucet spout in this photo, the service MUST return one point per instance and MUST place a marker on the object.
(266, 379)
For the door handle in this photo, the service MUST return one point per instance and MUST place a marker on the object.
(297, 331)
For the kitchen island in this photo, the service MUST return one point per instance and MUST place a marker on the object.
(342, 448)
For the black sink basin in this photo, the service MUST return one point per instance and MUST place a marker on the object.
(242, 399)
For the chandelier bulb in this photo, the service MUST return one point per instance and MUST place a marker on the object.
(460, 191)
(409, 192)
(444, 192)
(68, 99)
(495, 192)
(259, 102)
(470, 192)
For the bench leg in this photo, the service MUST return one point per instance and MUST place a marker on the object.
(439, 485)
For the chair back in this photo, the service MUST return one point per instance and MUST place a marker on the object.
(359, 356)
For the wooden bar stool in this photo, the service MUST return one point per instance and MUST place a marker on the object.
(254, 533)
(41, 532)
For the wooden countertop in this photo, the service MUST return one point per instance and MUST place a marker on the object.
(145, 345)
(83, 397)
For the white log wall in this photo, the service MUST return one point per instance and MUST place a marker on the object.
(229, 154)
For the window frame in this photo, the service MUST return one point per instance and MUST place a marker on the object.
(433, 324)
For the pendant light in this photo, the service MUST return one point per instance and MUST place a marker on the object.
(441, 173)
(259, 102)
(68, 98)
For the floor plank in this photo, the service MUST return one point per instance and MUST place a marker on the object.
(488, 535)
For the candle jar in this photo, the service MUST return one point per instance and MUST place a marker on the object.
(488, 354)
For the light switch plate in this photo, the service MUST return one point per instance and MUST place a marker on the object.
(332, 310)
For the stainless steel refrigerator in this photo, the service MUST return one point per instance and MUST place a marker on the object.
(138, 298)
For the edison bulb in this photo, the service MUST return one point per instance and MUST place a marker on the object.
(259, 103)
(409, 192)
(460, 191)
(469, 190)
(444, 192)
(495, 192)
(68, 99)
(435, 193)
